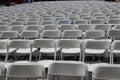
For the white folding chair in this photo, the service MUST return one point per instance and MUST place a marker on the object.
(25, 71)
(64, 70)
(67, 27)
(9, 35)
(54, 34)
(80, 21)
(47, 46)
(29, 34)
(96, 21)
(106, 72)
(2, 71)
(50, 27)
(96, 47)
(70, 47)
(85, 27)
(72, 34)
(18, 28)
(114, 50)
(23, 47)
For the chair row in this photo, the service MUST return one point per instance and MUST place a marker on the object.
(63, 21)
(58, 70)
(112, 34)
(66, 47)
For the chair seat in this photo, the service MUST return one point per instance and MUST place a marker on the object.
(93, 51)
(48, 50)
(116, 51)
(71, 50)
(2, 51)
(26, 50)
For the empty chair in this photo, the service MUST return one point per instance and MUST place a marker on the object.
(116, 27)
(85, 27)
(88, 18)
(34, 27)
(114, 50)
(80, 21)
(47, 46)
(67, 27)
(25, 71)
(54, 34)
(9, 35)
(94, 34)
(114, 34)
(3, 23)
(104, 27)
(4, 28)
(33, 19)
(23, 47)
(97, 21)
(72, 34)
(50, 27)
(4, 51)
(46, 22)
(114, 21)
(96, 47)
(69, 70)
(2, 73)
(70, 47)
(102, 17)
(18, 28)
(64, 21)
(17, 23)
(21, 19)
(29, 34)
(104, 71)
(114, 17)
(32, 23)
(73, 17)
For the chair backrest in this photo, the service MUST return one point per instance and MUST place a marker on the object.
(34, 27)
(18, 28)
(68, 68)
(72, 34)
(25, 70)
(97, 44)
(9, 34)
(80, 21)
(29, 34)
(114, 21)
(69, 43)
(115, 45)
(32, 23)
(67, 27)
(46, 22)
(51, 34)
(43, 43)
(94, 34)
(17, 23)
(104, 27)
(106, 72)
(19, 43)
(3, 44)
(3, 23)
(50, 27)
(85, 27)
(4, 28)
(114, 34)
(97, 21)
